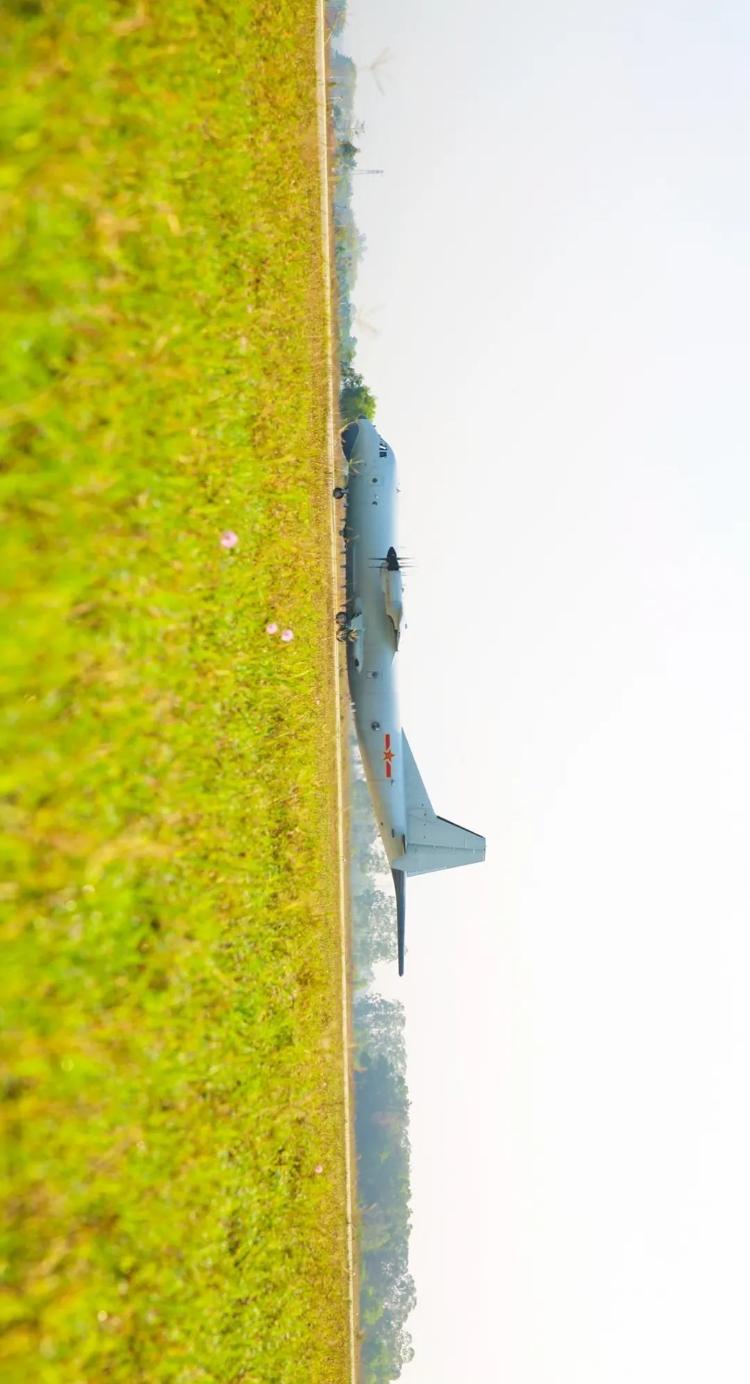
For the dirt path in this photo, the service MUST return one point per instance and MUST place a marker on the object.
(333, 469)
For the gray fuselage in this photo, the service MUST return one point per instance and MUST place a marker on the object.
(374, 590)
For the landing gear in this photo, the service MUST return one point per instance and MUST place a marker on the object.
(349, 628)
(338, 492)
(344, 631)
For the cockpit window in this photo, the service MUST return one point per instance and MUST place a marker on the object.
(348, 439)
(383, 448)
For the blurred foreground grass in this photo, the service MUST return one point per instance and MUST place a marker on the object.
(170, 973)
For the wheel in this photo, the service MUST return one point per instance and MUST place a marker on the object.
(340, 617)
(338, 493)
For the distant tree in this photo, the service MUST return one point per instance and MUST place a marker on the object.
(382, 1109)
(348, 151)
(381, 1024)
(356, 400)
(336, 15)
(373, 904)
(375, 929)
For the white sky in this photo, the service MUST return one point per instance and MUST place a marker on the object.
(558, 267)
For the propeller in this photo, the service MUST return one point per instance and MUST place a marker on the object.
(375, 68)
(393, 562)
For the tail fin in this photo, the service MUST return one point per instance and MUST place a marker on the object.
(432, 842)
(399, 884)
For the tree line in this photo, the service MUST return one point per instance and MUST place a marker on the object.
(387, 1292)
(356, 400)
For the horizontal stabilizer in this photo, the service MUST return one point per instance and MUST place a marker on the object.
(440, 845)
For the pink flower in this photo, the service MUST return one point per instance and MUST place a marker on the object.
(272, 627)
(286, 635)
(318, 1168)
(229, 539)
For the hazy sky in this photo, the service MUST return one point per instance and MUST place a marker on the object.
(558, 269)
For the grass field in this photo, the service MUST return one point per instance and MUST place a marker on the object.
(173, 1176)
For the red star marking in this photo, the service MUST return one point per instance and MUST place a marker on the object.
(388, 756)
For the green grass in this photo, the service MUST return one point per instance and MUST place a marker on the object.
(170, 974)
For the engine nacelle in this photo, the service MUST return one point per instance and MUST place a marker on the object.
(393, 590)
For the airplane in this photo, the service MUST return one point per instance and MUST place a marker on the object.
(417, 841)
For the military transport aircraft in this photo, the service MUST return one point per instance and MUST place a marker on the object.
(416, 840)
